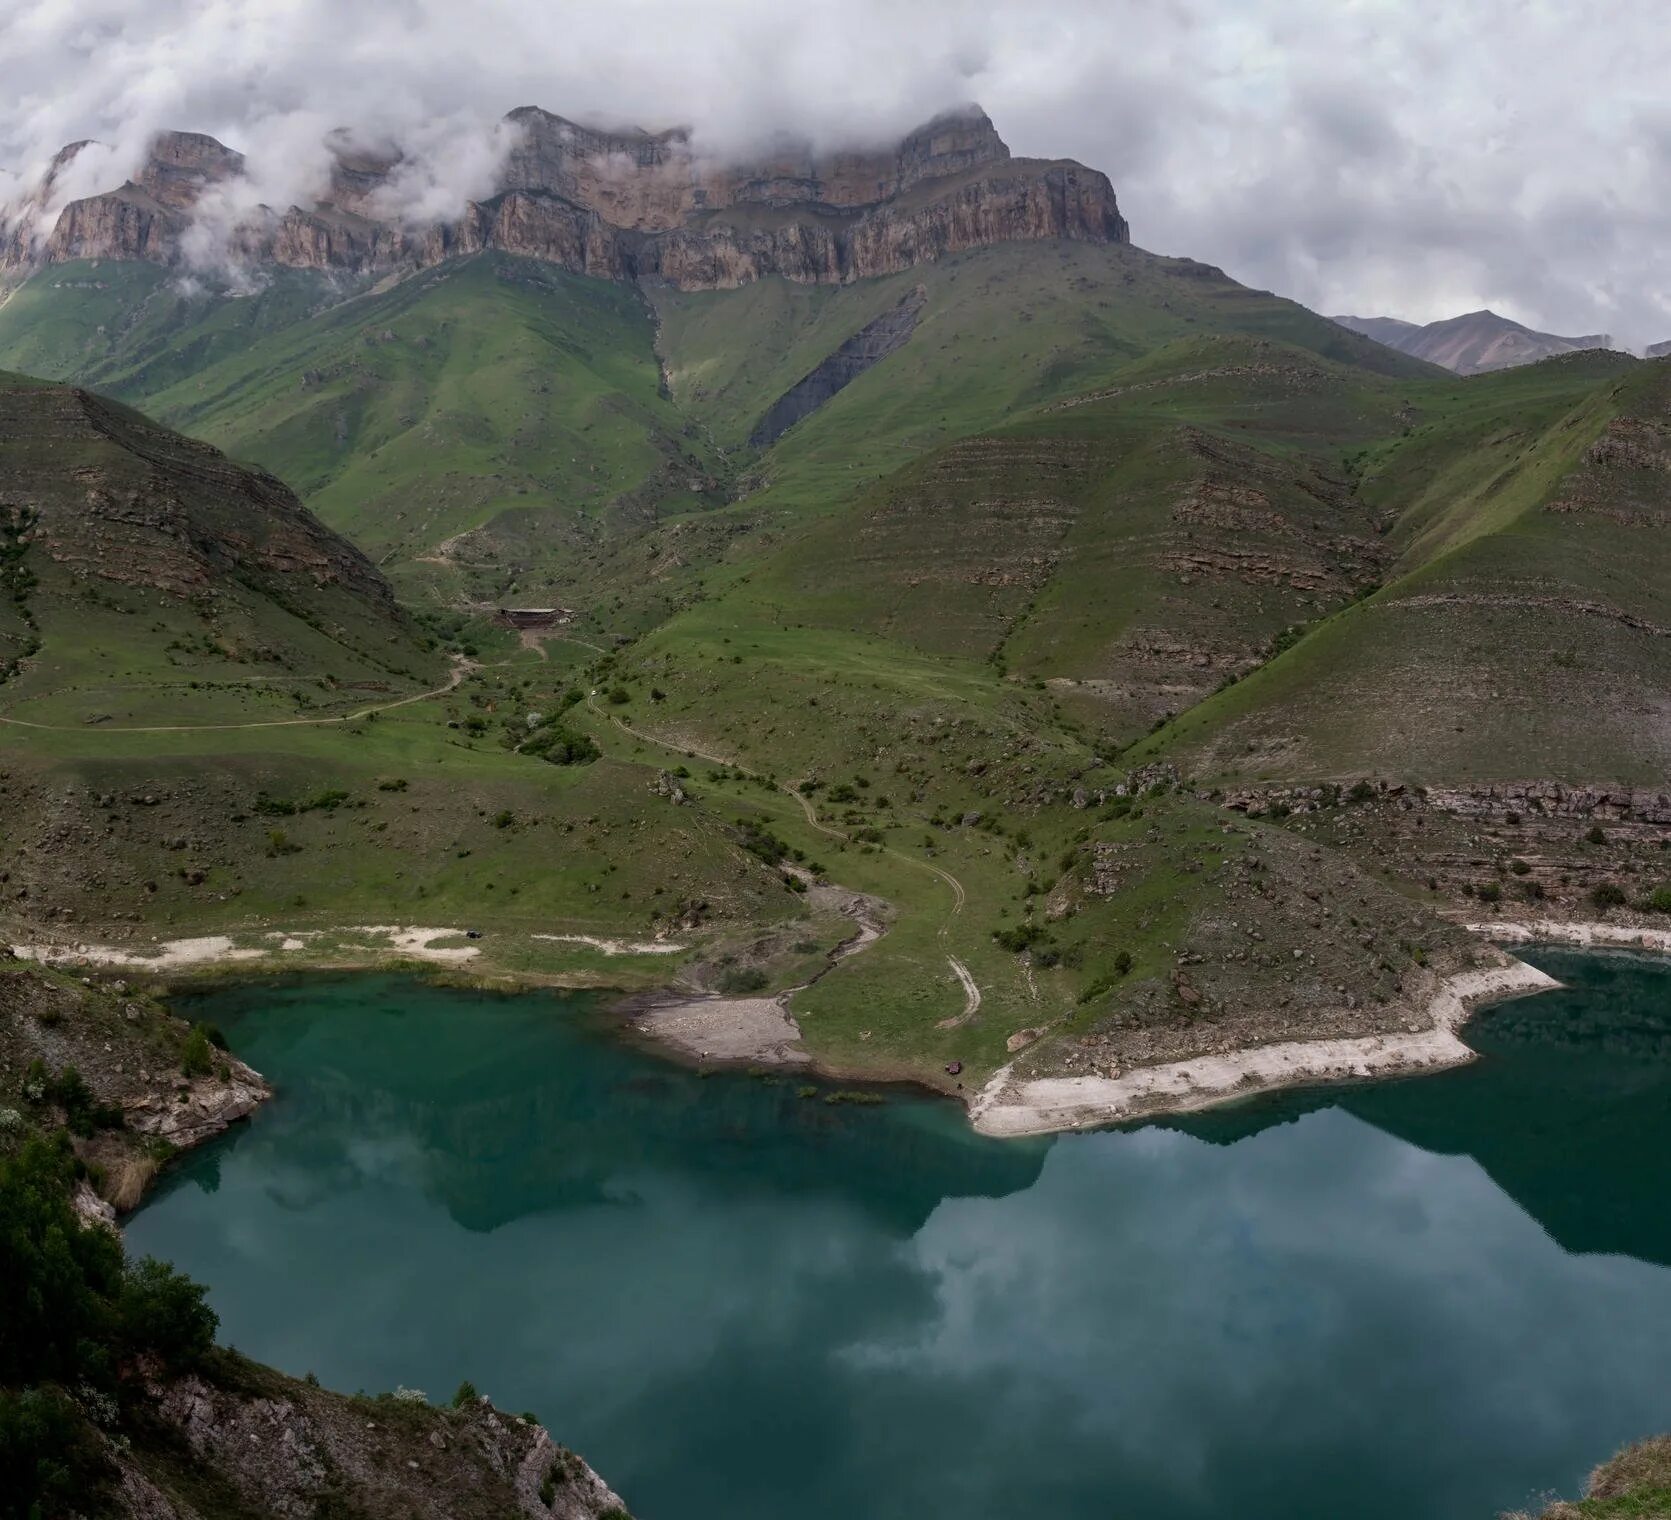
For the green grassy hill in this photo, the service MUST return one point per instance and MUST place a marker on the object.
(1523, 630)
(474, 428)
(1004, 331)
(496, 429)
(1099, 510)
(148, 577)
(1133, 550)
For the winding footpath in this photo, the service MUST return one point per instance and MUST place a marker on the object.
(971, 989)
(462, 668)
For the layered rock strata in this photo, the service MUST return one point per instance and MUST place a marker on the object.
(626, 205)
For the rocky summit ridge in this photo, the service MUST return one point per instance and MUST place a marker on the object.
(621, 204)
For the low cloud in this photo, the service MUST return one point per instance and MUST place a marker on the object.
(445, 163)
(1402, 156)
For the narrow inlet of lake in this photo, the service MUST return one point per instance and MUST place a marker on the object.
(1440, 1297)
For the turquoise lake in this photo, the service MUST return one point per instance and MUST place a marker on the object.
(1437, 1298)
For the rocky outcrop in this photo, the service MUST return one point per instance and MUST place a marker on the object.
(128, 223)
(280, 1446)
(182, 165)
(189, 1113)
(867, 347)
(131, 1057)
(622, 205)
(1553, 799)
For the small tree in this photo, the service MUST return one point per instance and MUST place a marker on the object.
(197, 1054)
(163, 1311)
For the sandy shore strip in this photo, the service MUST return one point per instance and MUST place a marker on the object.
(168, 955)
(1041, 1105)
(408, 942)
(616, 946)
(1584, 936)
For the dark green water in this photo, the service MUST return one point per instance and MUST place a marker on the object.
(1435, 1298)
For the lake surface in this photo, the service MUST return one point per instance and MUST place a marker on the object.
(1439, 1297)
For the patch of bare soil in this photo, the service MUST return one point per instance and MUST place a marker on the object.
(758, 1030)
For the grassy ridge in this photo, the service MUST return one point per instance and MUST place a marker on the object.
(1527, 636)
(1005, 329)
(490, 394)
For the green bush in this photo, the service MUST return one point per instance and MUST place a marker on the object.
(197, 1054)
(162, 1311)
(466, 1394)
(1021, 937)
(57, 1280)
(67, 1091)
(1659, 900)
(561, 746)
(763, 843)
(1608, 895)
(1097, 986)
(742, 980)
(50, 1462)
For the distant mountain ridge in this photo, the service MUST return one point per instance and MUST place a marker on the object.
(624, 205)
(1658, 350)
(1472, 344)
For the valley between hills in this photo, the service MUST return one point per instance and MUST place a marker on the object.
(877, 620)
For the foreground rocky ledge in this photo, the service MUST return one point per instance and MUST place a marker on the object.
(261, 1443)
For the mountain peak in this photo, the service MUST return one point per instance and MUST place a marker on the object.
(1473, 343)
(620, 202)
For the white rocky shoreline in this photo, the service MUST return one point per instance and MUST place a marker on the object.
(761, 1030)
(1010, 1105)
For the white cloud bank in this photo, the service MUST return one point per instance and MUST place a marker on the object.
(1398, 156)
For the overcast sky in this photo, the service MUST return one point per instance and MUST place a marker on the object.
(1369, 156)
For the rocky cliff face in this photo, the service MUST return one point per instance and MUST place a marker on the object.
(625, 205)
